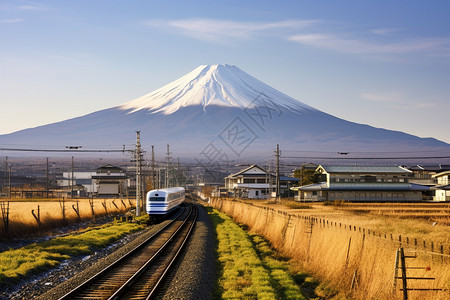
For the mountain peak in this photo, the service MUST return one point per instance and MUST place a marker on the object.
(220, 85)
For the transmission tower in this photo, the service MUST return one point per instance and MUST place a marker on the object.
(278, 172)
(138, 158)
(167, 167)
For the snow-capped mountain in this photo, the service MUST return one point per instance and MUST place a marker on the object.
(219, 109)
(221, 85)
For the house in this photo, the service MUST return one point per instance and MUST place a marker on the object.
(361, 183)
(255, 182)
(79, 179)
(442, 189)
(423, 174)
(110, 181)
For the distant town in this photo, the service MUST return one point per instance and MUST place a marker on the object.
(306, 182)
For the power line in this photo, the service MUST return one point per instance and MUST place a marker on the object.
(66, 150)
(365, 158)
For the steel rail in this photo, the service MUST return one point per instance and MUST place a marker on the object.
(83, 286)
(138, 287)
(177, 254)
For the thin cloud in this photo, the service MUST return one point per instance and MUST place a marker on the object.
(9, 21)
(218, 30)
(30, 7)
(384, 31)
(356, 46)
(378, 43)
(396, 100)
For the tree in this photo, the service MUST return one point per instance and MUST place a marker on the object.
(306, 178)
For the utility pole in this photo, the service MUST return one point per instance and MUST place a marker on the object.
(6, 172)
(167, 167)
(71, 181)
(153, 169)
(47, 177)
(159, 178)
(9, 183)
(278, 173)
(138, 157)
(177, 174)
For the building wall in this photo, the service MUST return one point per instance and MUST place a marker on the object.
(257, 194)
(442, 195)
(108, 189)
(443, 180)
(360, 196)
(375, 196)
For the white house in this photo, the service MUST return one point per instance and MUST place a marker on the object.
(252, 182)
(110, 181)
(79, 179)
(361, 183)
(256, 183)
(442, 189)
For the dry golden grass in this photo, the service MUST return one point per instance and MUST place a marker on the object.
(396, 219)
(22, 221)
(324, 250)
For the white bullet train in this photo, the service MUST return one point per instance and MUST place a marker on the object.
(162, 201)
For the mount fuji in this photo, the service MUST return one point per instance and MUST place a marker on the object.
(219, 109)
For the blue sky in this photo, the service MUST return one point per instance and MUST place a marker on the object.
(382, 63)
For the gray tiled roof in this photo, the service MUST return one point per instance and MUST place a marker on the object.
(363, 187)
(364, 169)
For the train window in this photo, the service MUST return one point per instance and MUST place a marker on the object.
(157, 198)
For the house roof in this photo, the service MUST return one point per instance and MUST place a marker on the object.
(430, 168)
(287, 178)
(441, 174)
(247, 169)
(109, 168)
(441, 187)
(110, 177)
(362, 187)
(253, 185)
(364, 169)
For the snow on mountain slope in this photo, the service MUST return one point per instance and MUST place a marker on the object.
(221, 85)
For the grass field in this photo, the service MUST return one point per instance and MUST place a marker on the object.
(34, 258)
(427, 222)
(53, 213)
(347, 249)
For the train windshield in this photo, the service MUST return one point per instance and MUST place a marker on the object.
(157, 198)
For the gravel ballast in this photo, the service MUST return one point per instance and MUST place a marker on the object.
(192, 277)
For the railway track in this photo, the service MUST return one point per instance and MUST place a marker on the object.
(138, 274)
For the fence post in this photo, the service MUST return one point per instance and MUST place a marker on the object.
(354, 280)
(348, 252)
(403, 265)
(91, 203)
(5, 214)
(77, 211)
(62, 205)
(397, 254)
(38, 217)
(104, 206)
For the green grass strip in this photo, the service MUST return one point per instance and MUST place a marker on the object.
(284, 283)
(248, 268)
(37, 257)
